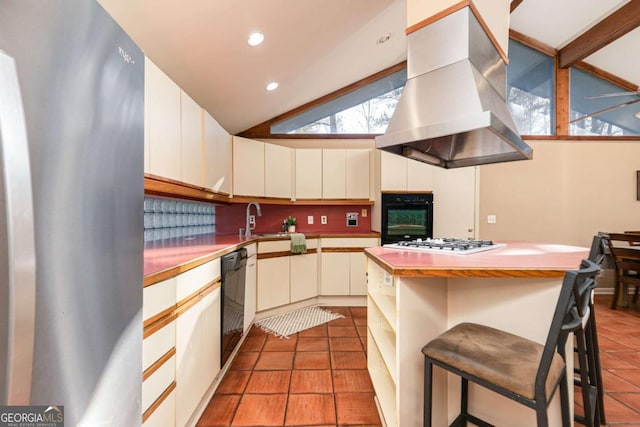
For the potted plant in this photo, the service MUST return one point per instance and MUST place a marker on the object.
(291, 224)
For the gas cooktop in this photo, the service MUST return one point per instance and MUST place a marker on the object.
(448, 246)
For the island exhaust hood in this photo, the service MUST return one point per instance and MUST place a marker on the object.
(452, 111)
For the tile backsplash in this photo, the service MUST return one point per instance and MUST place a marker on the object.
(167, 218)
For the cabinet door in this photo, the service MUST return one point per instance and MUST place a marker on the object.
(210, 338)
(188, 362)
(217, 156)
(308, 173)
(277, 171)
(273, 282)
(393, 172)
(304, 276)
(250, 291)
(358, 273)
(419, 176)
(335, 275)
(357, 173)
(248, 167)
(334, 174)
(191, 140)
(163, 105)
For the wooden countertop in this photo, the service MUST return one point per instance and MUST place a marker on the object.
(516, 259)
(165, 258)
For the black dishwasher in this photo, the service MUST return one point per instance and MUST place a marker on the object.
(232, 311)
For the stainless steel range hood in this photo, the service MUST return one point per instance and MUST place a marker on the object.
(452, 112)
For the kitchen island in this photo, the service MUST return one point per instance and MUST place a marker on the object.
(414, 296)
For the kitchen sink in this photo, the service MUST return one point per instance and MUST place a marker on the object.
(271, 235)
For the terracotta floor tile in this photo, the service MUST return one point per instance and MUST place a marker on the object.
(255, 331)
(339, 310)
(345, 344)
(348, 360)
(358, 311)
(631, 357)
(362, 330)
(310, 409)
(313, 344)
(342, 321)
(356, 408)
(275, 360)
(233, 382)
(618, 412)
(352, 381)
(632, 400)
(610, 361)
(253, 343)
(268, 382)
(316, 331)
(620, 381)
(261, 410)
(630, 375)
(311, 381)
(220, 411)
(280, 344)
(312, 360)
(342, 331)
(244, 360)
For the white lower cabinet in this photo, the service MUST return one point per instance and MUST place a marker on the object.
(197, 351)
(343, 270)
(273, 282)
(283, 277)
(181, 348)
(250, 286)
(304, 277)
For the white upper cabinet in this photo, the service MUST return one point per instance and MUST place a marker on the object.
(398, 173)
(191, 141)
(248, 167)
(334, 167)
(277, 171)
(308, 173)
(162, 104)
(217, 156)
(357, 173)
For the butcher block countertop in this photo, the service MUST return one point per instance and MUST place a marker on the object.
(516, 259)
(166, 258)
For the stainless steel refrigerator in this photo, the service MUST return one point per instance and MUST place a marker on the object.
(71, 211)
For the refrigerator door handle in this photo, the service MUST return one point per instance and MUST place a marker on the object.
(20, 245)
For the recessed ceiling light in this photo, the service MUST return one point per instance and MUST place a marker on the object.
(255, 39)
(272, 86)
(637, 115)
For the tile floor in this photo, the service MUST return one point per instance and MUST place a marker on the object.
(319, 378)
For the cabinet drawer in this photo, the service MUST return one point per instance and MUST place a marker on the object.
(157, 344)
(191, 281)
(158, 299)
(165, 414)
(351, 242)
(158, 382)
(274, 246)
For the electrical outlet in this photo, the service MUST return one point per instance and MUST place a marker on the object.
(323, 219)
(491, 219)
(310, 219)
(252, 219)
(363, 213)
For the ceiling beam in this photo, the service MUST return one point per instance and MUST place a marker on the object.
(514, 4)
(611, 28)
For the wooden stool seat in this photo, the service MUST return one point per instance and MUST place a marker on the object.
(494, 356)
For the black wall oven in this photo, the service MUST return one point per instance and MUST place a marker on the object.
(406, 216)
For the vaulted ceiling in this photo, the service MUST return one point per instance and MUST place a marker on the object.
(315, 47)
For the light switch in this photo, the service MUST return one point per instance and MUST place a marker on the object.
(310, 219)
(491, 219)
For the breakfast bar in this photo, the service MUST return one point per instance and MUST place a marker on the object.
(415, 295)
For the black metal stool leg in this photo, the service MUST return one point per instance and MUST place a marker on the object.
(428, 378)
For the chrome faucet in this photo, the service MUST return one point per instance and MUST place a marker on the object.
(247, 230)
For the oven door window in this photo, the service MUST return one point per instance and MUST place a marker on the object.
(406, 223)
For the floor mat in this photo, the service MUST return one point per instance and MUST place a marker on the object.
(286, 324)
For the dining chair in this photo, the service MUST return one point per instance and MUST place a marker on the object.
(626, 258)
(515, 367)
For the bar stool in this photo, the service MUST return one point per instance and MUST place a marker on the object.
(588, 374)
(515, 367)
